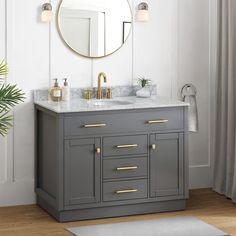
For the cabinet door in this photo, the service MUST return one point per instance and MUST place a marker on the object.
(166, 165)
(82, 171)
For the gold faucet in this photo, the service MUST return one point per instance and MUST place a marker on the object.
(101, 75)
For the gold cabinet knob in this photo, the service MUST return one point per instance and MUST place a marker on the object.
(154, 146)
(98, 150)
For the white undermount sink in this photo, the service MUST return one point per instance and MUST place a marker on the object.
(109, 103)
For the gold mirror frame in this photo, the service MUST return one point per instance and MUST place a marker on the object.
(68, 46)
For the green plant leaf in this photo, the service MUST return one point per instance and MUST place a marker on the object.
(3, 68)
(142, 81)
(5, 123)
(10, 96)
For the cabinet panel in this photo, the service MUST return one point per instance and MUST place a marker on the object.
(47, 155)
(82, 171)
(166, 165)
(125, 168)
(125, 190)
(125, 145)
(138, 121)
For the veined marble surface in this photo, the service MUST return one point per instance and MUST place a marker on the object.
(120, 103)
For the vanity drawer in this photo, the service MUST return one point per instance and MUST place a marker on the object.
(125, 145)
(124, 190)
(124, 121)
(125, 168)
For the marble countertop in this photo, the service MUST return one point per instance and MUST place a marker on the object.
(121, 103)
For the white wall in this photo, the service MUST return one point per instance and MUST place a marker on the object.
(194, 66)
(172, 49)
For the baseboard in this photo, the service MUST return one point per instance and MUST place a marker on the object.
(200, 177)
(17, 193)
(113, 211)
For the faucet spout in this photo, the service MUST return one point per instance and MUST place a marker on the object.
(100, 76)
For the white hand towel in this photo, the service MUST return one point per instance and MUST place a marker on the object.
(189, 94)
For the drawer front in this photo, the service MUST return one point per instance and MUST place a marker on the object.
(125, 145)
(125, 168)
(124, 122)
(124, 190)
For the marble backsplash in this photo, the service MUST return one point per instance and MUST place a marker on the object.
(78, 93)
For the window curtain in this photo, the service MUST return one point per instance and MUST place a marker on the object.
(224, 181)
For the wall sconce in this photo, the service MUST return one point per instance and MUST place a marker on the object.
(47, 13)
(143, 13)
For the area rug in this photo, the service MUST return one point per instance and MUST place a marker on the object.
(178, 226)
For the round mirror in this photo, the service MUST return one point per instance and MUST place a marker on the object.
(94, 28)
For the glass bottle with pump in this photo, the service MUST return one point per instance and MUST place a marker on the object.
(56, 92)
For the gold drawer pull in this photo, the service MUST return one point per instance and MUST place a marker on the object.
(98, 150)
(127, 146)
(127, 168)
(157, 121)
(94, 126)
(127, 191)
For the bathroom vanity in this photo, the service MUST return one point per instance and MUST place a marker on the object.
(107, 159)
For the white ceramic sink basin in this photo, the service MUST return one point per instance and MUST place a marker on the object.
(109, 103)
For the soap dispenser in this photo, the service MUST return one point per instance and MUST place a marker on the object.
(56, 92)
(65, 91)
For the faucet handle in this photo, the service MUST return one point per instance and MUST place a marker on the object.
(88, 94)
(109, 93)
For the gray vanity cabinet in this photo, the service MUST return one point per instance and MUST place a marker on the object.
(166, 165)
(82, 171)
(111, 163)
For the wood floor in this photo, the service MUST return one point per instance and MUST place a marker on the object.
(31, 220)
